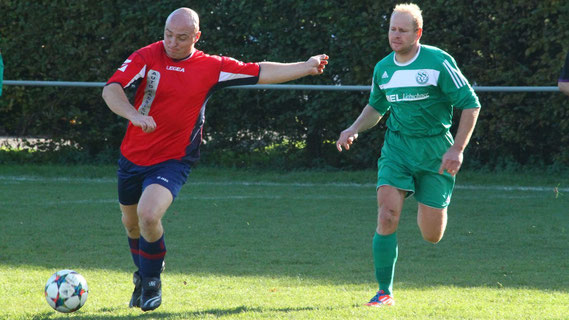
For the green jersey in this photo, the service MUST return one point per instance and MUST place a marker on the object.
(421, 93)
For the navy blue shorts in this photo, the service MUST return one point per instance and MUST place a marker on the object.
(133, 179)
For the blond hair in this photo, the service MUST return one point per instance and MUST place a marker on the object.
(413, 10)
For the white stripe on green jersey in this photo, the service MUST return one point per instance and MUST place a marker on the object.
(455, 74)
(421, 93)
(406, 78)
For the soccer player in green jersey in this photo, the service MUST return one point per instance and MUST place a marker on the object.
(421, 85)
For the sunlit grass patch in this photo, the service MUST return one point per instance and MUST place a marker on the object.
(271, 245)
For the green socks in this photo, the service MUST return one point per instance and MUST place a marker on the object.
(384, 258)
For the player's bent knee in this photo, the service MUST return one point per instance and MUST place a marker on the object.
(148, 222)
(388, 221)
(148, 219)
(433, 238)
(132, 229)
(129, 223)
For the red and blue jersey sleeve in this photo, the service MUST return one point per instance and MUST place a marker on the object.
(132, 69)
(236, 73)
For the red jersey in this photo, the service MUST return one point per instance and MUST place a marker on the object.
(174, 93)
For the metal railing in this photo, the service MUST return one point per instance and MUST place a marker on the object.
(281, 86)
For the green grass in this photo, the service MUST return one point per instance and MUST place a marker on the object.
(297, 245)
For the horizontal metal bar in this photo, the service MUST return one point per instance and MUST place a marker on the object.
(280, 86)
(303, 87)
(515, 89)
(368, 88)
(52, 83)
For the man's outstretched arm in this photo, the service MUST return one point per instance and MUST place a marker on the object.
(274, 72)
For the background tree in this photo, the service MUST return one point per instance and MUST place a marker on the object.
(513, 43)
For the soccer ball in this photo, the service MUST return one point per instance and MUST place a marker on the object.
(66, 291)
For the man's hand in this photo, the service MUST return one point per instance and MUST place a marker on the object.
(146, 123)
(347, 137)
(276, 72)
(116, 100)
(452, 160)
(317, 64)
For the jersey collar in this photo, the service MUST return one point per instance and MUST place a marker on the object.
(178, 60)
(408, 62)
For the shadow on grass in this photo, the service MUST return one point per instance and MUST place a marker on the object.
(166, 315)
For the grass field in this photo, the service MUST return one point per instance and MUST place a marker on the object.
(266, 245)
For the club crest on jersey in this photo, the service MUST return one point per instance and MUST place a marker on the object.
(422, 77)
(173, 68)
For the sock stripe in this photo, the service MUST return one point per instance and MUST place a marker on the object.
(152, 256)
(134, 251)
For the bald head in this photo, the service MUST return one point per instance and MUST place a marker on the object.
(184, 17)
(181, 32)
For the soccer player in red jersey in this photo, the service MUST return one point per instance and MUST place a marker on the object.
(165, 131)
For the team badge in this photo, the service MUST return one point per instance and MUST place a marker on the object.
(422, 77)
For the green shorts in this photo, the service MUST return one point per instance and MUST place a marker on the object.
(412, 164)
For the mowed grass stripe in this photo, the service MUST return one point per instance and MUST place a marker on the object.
(23, 179)
(183, 198)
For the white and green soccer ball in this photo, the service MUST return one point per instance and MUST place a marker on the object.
(66, 291)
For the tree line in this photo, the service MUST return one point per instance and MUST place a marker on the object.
(511, 43)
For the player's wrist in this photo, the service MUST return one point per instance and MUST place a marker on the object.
(308, 67)
(458, 148)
